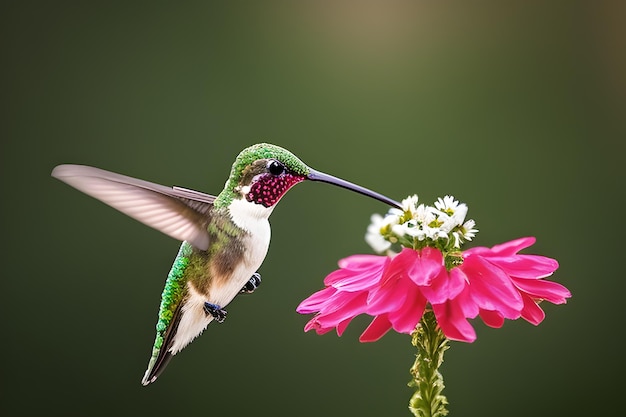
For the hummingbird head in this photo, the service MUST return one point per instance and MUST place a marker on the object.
(263, 173)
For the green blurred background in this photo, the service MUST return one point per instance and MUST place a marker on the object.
(516, 108)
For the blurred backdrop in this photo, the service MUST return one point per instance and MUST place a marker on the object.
(516, 109)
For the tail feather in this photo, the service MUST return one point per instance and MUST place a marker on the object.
(170, 314)
(161, 354)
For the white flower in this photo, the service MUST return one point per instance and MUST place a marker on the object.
(447, 223)
(413, 229)
(420, 214)
(447, 204)
(450, 207)
(443, 221)
(410, 203)
(399, 229)
(468, 229)
(460, 213)
(373, 237)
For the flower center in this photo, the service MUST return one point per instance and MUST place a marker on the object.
(435, 223)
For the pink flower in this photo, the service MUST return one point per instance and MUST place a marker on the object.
(493, 283)
(516, 281)
(345, 295)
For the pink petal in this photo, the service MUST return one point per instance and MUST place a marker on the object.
(315, 301)
(388, 297)
(445, 286)
(543, 289)
(357, 273)
(468, 305)
(437, 291)
(531, 312)
(341, 327)
(492, 318)
(491, 288)
(361, 281)
(457, 282)
(526, 266)
(453, 323)
(314, 325)
(359, 262)
(426, 266)
(512, 247)
(398, 266)
(504, 249)
(349, 307)
(377, 329)
(406, 318)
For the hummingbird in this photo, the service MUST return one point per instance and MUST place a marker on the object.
(225, 238)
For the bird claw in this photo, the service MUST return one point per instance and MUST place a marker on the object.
(252, 284)
(218, 313)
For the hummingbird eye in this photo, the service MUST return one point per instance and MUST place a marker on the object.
(275, 167)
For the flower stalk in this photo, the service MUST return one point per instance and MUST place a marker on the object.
(431, 343)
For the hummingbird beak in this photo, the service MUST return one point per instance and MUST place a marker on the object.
(321, 177)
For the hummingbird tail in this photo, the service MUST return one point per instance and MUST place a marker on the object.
(161, 353)
(170, 314)
(155, 368)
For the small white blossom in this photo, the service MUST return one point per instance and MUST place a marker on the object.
(434, 232)
(447, 223)
(447, 204)
(459, 214)
(373, 237)
(439, 234)
(398, 229)
(420, 214)
(394, 212)
(410, 203)
(469, 232)
(413, 229)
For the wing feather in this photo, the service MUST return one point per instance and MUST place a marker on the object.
(178, 212)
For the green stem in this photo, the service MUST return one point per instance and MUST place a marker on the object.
(431, 343)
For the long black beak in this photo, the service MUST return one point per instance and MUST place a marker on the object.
(321, 177)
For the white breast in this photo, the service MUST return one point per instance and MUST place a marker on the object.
(253, 218)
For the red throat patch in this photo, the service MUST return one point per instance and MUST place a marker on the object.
(268, 189)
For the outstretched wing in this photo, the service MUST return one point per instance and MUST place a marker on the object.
(178, 212)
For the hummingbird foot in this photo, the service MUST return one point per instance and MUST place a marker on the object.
(252, 284)
(218, 313)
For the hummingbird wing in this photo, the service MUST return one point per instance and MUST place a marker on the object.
(178, 212)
